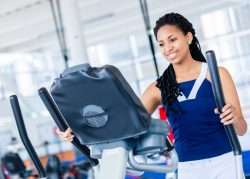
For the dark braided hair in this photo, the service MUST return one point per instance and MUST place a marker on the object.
(167, 82)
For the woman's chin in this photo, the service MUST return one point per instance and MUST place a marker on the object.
(174, 61)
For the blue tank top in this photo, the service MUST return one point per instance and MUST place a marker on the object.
(197, 129)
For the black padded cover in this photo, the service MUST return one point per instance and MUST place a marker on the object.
(99, 105)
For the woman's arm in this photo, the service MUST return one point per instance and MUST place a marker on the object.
(151, 98)
(231, 112)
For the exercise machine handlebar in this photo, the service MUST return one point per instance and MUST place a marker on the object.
(220, 101)
(24, 137)
(61, 122)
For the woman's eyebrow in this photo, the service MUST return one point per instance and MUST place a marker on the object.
(170, 36)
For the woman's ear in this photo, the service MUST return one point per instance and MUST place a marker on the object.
(189, 37)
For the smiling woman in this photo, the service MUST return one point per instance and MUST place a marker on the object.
(185, 91)
(173, 43)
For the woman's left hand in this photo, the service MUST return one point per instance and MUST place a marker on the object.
(228, 115)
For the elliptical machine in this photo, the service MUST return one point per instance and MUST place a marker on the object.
(110, 129)
(109, 120)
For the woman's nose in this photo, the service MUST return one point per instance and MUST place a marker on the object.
(168, 49)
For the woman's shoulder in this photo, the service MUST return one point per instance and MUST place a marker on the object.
(153, 90)
(223, 70)
(153, 86)
(224, 73)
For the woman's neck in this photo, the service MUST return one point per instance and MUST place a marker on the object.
(188, 66)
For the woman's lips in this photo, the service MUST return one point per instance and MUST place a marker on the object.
(172, 56)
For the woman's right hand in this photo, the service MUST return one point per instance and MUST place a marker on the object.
(66, 135)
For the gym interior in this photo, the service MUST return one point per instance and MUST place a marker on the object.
(43, 41)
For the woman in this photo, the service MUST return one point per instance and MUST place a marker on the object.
(185, 91)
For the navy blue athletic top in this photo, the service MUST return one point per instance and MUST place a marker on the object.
(198, 132)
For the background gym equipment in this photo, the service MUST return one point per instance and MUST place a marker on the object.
(13, 166)
(220, 102)
(115, 130)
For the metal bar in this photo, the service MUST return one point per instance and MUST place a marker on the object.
(144, 10)
(60, 34)
(60, 21)
(61, 122)
(24, 137)
(220, 102)
(113, 163)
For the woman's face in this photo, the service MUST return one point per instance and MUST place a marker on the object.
(174, 45)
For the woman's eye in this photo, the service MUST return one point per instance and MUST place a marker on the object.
(161, 45)
(173, 39)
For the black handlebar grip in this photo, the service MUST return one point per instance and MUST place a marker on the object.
(24, 137)
(220, 101)
(61, 122)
